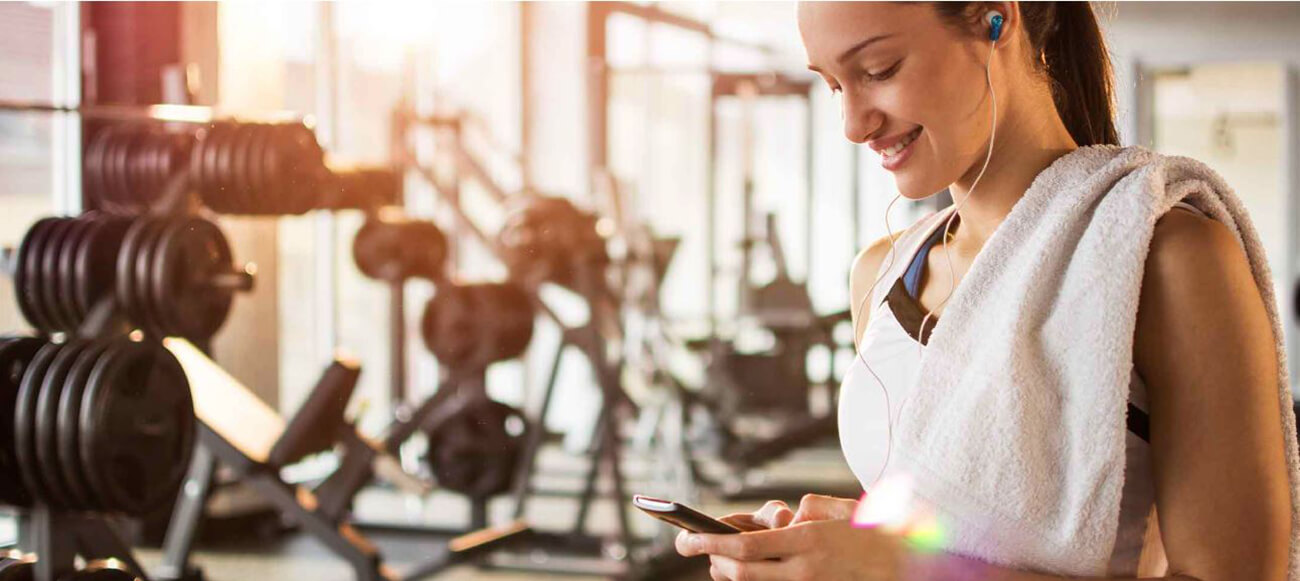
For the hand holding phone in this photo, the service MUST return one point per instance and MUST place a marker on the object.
(682, 516)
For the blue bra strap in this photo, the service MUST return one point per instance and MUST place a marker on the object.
(912, 278)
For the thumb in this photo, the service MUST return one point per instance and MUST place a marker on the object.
(814, 507)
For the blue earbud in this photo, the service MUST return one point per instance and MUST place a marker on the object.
(994, 19)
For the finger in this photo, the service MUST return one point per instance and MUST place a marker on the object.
(814, 507)
(751, 546)
(751, 570)
(716, 574)
(743, 521)
(774, 515)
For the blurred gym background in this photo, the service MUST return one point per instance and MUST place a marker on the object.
(688, 135)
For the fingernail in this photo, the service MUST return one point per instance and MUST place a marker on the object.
(694, 542)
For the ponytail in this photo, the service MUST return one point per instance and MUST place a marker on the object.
(1082, 81)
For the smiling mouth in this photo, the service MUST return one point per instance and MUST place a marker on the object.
(901, 145)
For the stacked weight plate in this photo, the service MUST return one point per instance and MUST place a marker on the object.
(65, 266)
(170, 276)
(175, 277)
(105, 425)
(257, 168)
(396, 248)
(126, 167)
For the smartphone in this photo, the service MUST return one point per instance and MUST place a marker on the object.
(682, 516)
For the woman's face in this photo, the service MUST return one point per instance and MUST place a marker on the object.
(901, 75)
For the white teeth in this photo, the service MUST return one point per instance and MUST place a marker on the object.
(897, 147)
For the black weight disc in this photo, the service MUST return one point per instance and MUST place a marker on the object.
(96, 262)
(256, 159)
(376, 249)
(203, 168)
(92, 168)
(25, 421)
(67, 278)
(150, 308)
(50, 299)
(69, 433)
(191, 254)
(16, 354)
(26, 270)
(118, 150)
(46, 428)
(475, 452)
(137, 426)
(276, 166)
(124, 267)
(425, 250)
(224, 168)
(239, 162)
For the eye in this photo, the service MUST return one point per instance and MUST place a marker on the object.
(885, 74)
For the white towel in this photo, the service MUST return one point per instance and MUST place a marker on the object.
(1015, 433)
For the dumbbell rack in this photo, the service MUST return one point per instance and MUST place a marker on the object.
(58, 537)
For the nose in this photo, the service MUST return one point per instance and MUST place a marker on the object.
(861, 119)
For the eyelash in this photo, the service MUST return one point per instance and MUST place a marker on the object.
(882, 76)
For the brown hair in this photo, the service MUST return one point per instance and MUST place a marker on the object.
(1073, 55)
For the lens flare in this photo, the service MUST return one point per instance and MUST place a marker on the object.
(890, 505)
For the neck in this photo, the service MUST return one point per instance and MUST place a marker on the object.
(1028, 140)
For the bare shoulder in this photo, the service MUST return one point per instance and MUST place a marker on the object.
(1187, 247)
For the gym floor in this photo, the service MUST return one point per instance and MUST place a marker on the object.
(296, 556)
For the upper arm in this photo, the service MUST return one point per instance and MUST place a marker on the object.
(1205, 347)
(866, 267)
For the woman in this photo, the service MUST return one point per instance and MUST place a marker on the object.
(918, 83)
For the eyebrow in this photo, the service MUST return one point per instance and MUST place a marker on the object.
(846, 55)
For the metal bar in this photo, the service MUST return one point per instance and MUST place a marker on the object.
(186, 516)
(169, 113)
(533, 443)
(397, 343)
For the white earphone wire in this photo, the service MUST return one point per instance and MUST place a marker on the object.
(890, 417)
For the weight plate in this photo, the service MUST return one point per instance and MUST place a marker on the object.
(151, 307)
(137, 426)
(96, 262)
(424, 250)
(257, 157)
(242, 188)
(69, 433)
(16, 354)
(475, 452)
(67, 278)
(92, 168)
(191, 253)
(25, 421)
(223, 168)
(203, 169)
(274, 165)
(125, 268)
(50, 299)
(45, 426)
(119, 189)
(25, 280)
(375, 248)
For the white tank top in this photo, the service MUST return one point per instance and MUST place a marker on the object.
(893, 356)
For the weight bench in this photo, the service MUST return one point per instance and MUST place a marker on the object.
(240, 431)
